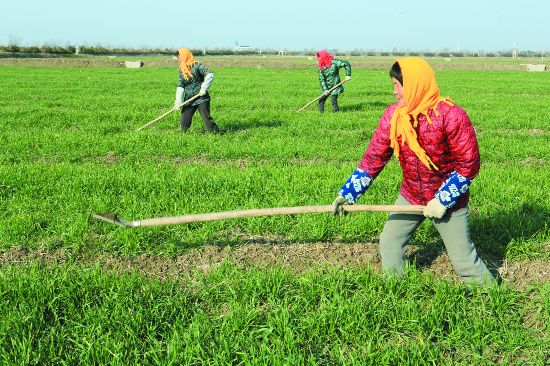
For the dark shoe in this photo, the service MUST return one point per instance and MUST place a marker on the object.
(217, 131)
(214, 128)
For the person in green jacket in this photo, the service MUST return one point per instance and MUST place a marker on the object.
(194, 78)
(329, 77)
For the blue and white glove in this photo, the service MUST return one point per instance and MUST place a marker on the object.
(451, 190)
(357, 184)
(448, 194)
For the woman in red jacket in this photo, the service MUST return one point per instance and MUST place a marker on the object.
(437, 149)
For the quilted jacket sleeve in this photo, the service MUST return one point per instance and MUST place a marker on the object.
(379, 151)
(462, 141)
(345, 64)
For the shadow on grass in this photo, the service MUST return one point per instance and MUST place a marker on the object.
(496, 236)
(503, 233)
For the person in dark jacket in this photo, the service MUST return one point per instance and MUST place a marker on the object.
(437, 149)
(194, 78)
(329, 76)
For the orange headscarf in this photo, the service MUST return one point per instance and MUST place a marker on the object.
(421, 94)
(186, 61)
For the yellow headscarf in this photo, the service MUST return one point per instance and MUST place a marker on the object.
(186, 61)
(421, 94)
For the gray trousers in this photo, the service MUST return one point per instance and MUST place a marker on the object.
(455, 232)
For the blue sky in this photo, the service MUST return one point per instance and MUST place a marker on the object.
(284, 24)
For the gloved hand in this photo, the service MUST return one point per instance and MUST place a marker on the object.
(337, 204)
(326, 92)
(348, 77)
(434, 209)
(202, 92)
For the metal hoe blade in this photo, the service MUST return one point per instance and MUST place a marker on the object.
(113, 219)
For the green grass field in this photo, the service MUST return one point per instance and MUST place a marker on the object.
(70, 149)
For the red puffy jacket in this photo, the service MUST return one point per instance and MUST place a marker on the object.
(450, 141)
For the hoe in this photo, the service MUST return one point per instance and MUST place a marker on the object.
(320, 96)
(186, 219)
(173, 109)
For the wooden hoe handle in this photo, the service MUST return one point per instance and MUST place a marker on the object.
(186, 219)
(320, 96)
(174, 108)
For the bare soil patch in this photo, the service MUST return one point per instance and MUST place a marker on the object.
(297, 258)
(531, 160)
(109, 158)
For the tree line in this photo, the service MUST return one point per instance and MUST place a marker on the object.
(15, 50)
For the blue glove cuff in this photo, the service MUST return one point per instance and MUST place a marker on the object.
(355, 186)
(451, 190)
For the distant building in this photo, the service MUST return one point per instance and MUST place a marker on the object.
(241, 47)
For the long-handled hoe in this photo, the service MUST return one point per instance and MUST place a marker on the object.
(173, 109)
(320, 96)
(186, 219)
